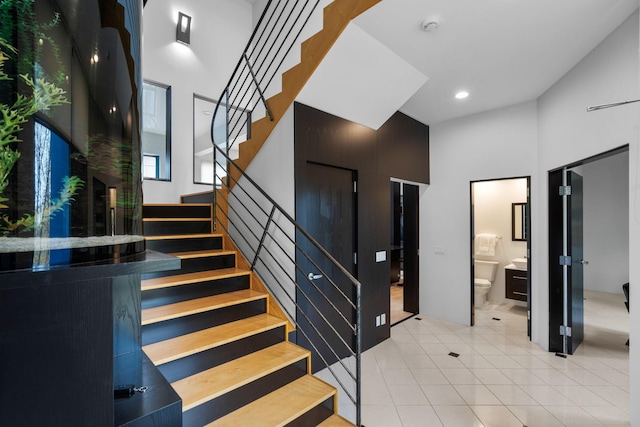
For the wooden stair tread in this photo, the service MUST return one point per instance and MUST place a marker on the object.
(183, 236)
(189, 278)
(202, 254)
(281, 406)
(214, 382)
(199, 305)
(195, 342)
(335, 420)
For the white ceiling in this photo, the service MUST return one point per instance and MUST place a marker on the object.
(342, 84)
(503, 52)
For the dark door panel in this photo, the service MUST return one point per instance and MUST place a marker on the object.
(411, 246)
(326, 208)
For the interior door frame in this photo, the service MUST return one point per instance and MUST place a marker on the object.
(306, 289)
(558, 301)
(472, 312)
(411, 250)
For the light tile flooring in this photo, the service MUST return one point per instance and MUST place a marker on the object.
(500, 378)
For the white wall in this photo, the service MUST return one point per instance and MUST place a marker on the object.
(606, 223)
(273, 170)
(220, 30)
(568, 134)
(492, 214)
(492, 145)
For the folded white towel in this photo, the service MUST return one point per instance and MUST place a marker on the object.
(485, 244)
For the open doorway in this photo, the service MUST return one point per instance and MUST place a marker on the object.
(500, 249)
(404, 252)
(589, 254)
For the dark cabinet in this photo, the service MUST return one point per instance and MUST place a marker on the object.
(515, 284)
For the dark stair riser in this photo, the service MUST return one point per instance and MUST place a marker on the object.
(192, 265)
(204, 360)
(178, 211)
(168, 329)
(173, 294)
(185, 245)
(168, 228)
(229, 402)
(314, 416)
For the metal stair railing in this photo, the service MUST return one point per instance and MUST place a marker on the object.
(276, 33)
(326, 311)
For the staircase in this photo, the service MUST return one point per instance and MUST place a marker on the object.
(213, 332)
(336, 16)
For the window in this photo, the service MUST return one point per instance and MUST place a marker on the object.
(203, 164)
(151, 166)
(156, 131)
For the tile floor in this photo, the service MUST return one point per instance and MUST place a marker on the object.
(500, 378)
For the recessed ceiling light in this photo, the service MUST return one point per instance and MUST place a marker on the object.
(462, 94)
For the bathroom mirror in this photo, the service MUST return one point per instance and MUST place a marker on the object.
(519, 222)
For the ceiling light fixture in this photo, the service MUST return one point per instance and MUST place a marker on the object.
(183, 30)
(462, 94)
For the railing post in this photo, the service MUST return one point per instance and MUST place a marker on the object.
(358, 360)
(255, 81)
(264, 235)
(215, 193)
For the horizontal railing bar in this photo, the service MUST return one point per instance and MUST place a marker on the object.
(322, 316)
(347, 346)
(291, 44)
(333, 306)
(256, 251)
(303, 252)
(320, 270)
(293, 221)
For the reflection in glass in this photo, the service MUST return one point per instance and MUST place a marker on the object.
(156, 131)
(203, 162)
(69, 129)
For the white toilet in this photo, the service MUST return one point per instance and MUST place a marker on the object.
(485, 274)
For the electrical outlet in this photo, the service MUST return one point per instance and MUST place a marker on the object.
(383, 318)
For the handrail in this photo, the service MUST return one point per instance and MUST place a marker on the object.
(276, 33)
(327, 317)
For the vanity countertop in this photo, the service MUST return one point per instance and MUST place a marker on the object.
(512, 266)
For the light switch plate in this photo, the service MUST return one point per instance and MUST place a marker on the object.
(381, 256)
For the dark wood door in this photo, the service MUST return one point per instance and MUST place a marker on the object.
(575, 298)
(529, 237)
(411, 248)
(556, 236)
(327, 210)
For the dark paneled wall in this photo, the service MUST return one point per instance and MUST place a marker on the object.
(399, 149)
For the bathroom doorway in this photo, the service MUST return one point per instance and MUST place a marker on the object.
(500, 249)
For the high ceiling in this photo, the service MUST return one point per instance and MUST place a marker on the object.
(502, 52)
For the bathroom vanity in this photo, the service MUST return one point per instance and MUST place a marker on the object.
(515, 283)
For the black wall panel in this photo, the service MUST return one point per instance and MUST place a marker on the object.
(400, 149)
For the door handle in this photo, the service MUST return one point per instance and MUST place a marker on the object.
(312, 276)
(583, 262)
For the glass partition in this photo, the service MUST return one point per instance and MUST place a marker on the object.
(156, 131)
(203, 164)
(70, 165)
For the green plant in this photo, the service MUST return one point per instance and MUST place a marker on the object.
(42, 96)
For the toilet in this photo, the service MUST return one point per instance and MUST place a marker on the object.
(485, 274)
